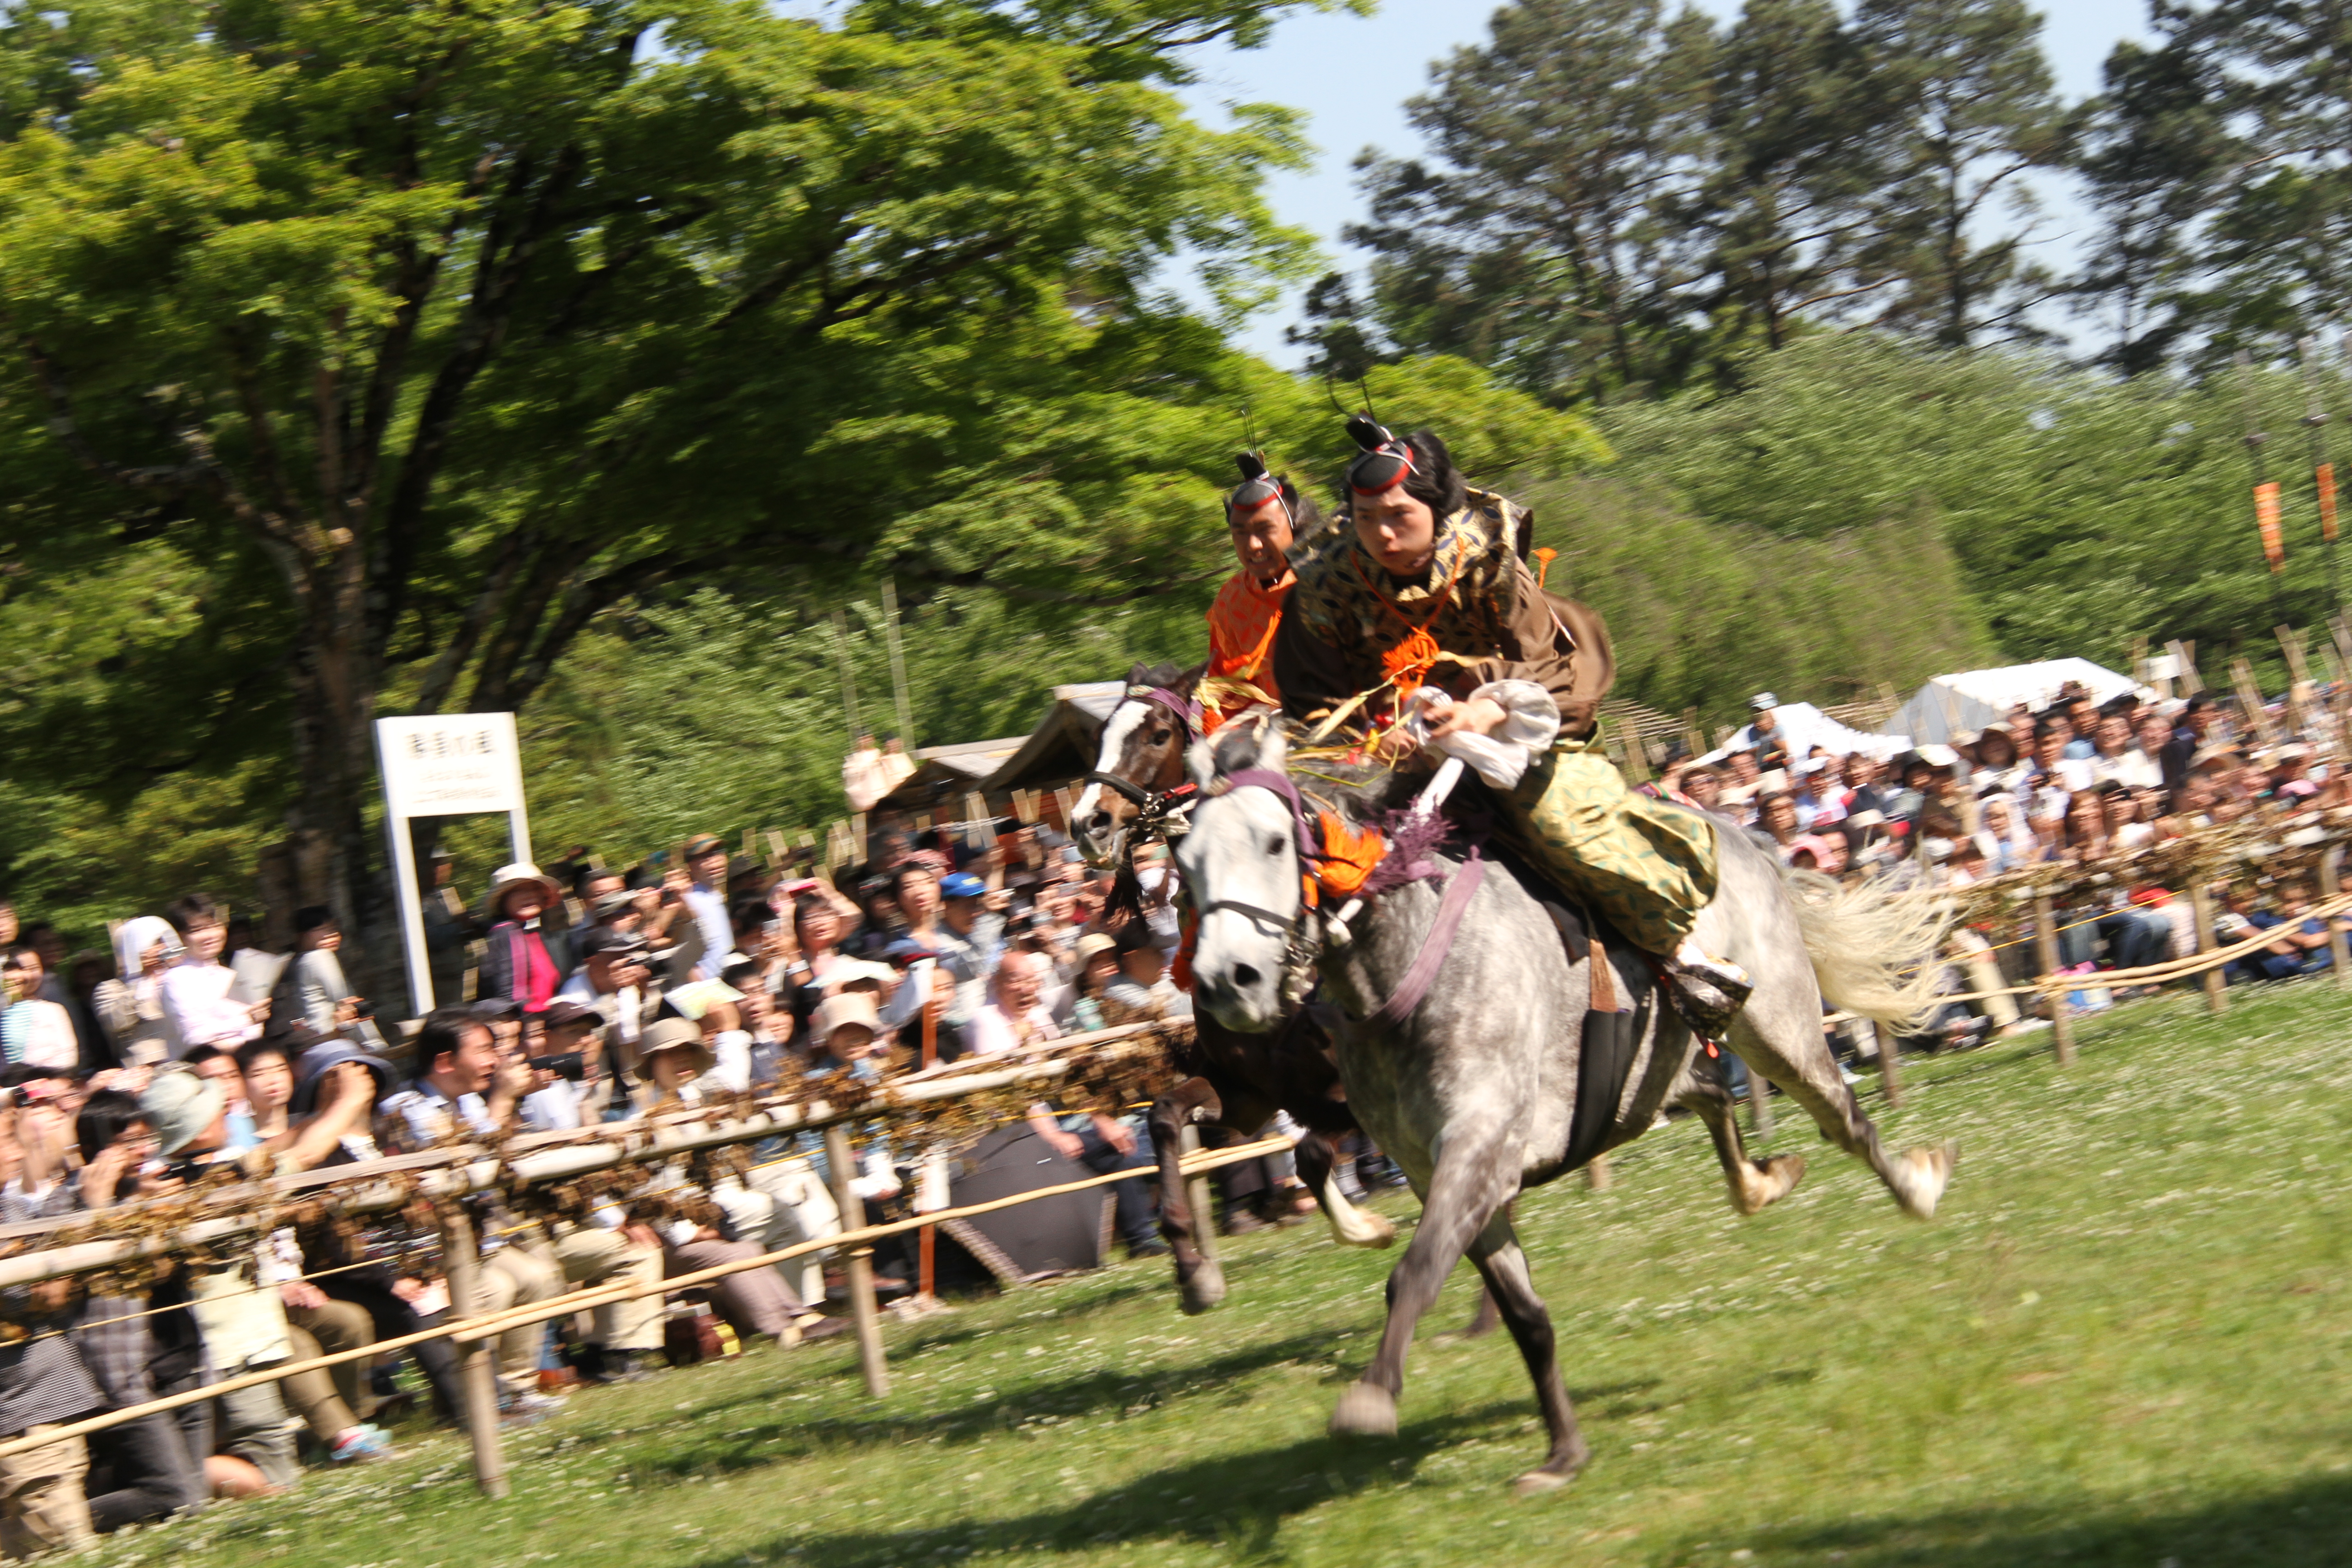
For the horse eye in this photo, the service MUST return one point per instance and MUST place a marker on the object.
(1160, 737)
(1274, 845)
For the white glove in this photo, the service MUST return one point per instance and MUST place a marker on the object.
(1530, 724)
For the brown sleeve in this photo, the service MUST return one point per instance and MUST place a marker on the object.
(1310, 673)
(1561, 645)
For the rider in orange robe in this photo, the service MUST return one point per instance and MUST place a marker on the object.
(1266, 517)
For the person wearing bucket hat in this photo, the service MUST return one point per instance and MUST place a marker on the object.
(189, 1114)
(671, 1057)
(526, 959)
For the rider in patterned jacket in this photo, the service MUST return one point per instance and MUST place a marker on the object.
(1424, 584)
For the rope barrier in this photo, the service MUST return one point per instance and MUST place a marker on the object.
(2150, 974)
(485, 1326)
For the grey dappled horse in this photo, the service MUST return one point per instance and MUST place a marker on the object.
(1473, 1093)
(1237, 1080)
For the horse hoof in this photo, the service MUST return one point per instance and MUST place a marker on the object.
(1535, 1483)
(1366, 1410)
(1203, 1291)
(1761, 1183)
(1371, 1230)
(1931, 1171)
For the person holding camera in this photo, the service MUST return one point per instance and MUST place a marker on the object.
(569, 1087)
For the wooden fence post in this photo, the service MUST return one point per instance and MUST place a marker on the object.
(1890, 1076)
(2046, 949)
(2215, 983)
(1759, 1104)
(2330, 884)
(1198, 1197)
(477, 1377)
(860, 1263)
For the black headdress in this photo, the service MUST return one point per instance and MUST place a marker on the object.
(1257, 489)
(1384, 461)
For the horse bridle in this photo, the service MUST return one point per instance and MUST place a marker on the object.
(1302, 938)
(1157, 810)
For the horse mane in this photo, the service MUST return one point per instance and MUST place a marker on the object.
(1361, 789)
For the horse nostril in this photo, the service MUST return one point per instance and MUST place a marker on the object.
(1245, 974)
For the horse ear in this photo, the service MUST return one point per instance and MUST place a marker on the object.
(1274, 746)
(1135, 675)
(1200, 761)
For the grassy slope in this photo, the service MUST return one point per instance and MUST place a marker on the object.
(2124, 1342)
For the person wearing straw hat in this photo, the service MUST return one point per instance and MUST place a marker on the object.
(525, 960)
(671, 1057)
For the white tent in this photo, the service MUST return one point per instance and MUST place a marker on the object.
(1803, 726)
(1976, 698)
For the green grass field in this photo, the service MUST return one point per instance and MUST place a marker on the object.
(2125, 1341)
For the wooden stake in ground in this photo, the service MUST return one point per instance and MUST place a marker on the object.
(1598, 1176)
(2191, 683)
(2250, 698)
(860, 1263)
(2200, 901)
(461, 1266)
(1198, 1197)
(2331, 867)
(2046, 949)
(2298, 689)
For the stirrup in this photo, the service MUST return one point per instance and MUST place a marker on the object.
(1708, 993)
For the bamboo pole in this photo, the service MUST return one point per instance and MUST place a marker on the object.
(1890, 1052)
(1759, 1104)
(902, 705)
(2045, 950)
(461, 1266)
(2217, 984)
(861, 1267)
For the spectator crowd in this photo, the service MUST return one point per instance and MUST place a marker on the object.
(2074, 781)
(583, 995)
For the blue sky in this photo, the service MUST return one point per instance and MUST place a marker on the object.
(1353, 75)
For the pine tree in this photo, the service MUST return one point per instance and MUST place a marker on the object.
(1962, 95)
(1783, 209)
(1533, 240)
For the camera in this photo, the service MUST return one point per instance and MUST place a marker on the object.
(569, 1065)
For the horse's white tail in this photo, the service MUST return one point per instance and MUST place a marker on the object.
(1874, 951)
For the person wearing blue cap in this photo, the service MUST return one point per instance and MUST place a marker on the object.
(948, 918)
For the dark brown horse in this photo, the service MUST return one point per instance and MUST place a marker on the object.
(1236, 1081)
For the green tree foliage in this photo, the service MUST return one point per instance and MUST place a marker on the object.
(2218, 163)
(1618, 202)
(1533, 240)
(435, 331)
(1961, 92)
(2082, 512)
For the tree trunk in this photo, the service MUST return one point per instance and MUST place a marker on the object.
(334, 690)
